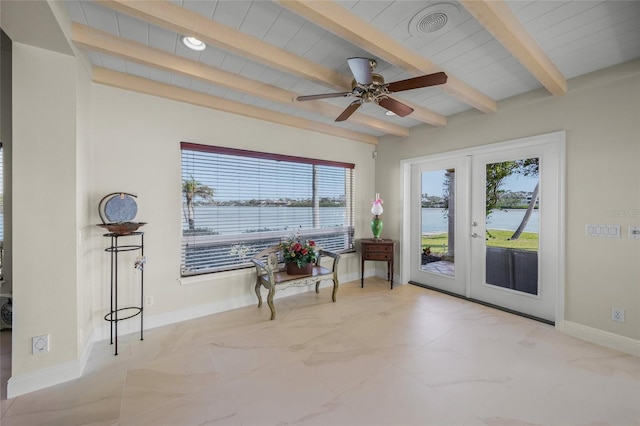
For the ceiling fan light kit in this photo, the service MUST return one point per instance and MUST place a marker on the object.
(368, 87)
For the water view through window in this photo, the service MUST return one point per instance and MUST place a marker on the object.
(512, 224)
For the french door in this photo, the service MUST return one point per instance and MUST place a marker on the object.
(440, 223)
(486, 224)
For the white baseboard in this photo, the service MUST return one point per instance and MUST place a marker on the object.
(40, 379)
(599, 337)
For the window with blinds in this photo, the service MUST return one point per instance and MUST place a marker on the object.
(236, 203)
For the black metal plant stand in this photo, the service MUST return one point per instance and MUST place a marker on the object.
(130, 311)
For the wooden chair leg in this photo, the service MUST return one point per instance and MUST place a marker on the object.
(258, 292)
(272, 292)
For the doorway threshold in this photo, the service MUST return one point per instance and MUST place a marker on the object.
(480, 302)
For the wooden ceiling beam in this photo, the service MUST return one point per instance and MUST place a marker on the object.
(183, 21)
(498, 18)
(342, 22)
(99, 41)
(154, 88)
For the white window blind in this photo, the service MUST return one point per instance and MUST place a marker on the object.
(235, 203)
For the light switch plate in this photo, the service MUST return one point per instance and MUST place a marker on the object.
(606, 231)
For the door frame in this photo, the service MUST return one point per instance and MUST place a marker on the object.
(556, 138)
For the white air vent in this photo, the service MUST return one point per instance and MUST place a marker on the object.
(433, 19)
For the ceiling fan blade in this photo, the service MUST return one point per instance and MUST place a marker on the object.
(323, 96)
(417, 82)
(350, 110)
(398, 108)
(361, 69)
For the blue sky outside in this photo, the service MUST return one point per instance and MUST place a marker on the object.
(433, 183)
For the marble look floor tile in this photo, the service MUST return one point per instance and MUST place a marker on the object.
(393, 397)
(150, 384)
(210, 406)
(375, 357)
(90, 400)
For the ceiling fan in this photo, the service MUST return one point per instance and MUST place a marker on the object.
(368, 86)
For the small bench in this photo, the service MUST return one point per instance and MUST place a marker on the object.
(272, 274)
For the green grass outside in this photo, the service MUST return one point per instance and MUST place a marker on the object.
(497, 238)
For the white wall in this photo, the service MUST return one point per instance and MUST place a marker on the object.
(601, 114)
(84, 206)
(44, 207)
(137, 149)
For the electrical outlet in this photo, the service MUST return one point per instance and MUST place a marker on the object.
(148, 300)
(617, 314)
(40, 344)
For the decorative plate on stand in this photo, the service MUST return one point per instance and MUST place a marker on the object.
(117, 211)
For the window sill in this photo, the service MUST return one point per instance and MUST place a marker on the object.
(216, 276)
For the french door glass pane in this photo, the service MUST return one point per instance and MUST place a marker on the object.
(512, 224)
(438, 222)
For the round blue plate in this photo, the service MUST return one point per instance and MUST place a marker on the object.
(120, 208)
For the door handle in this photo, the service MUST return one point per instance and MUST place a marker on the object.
(474, 235)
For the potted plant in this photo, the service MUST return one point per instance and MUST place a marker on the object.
(299, 255)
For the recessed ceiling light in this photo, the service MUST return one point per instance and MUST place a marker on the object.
(390, 113)
(193, 43)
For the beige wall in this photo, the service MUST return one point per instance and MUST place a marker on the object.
(137, 149)
(44, 206)
(601, 115)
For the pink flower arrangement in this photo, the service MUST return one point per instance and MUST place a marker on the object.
(299, 252)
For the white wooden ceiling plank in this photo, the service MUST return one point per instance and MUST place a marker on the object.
(395, 13)
(231, 13)
(74, 9)
(204, 8)
(592, 22)
(557, 16)
(305, 39)
(199, 86)
(270, 76)
(437, 43)
(100, 17)
(161, 76)
(367, 10)
(252, 70)
(516, 5)
(586, 57)
(113, 63)
(217, 91)
(286, 25)
(161, 38)
(132, 28)
(606, 37)
(233, 63)
(466, 62)
(580, 62)
(136, 69)
(325, 47)
(213, 56)
(259, 18)
(535, 9)
(94, 58)
(180, 81)
(461, 48)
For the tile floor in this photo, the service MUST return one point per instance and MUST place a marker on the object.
(407, 356)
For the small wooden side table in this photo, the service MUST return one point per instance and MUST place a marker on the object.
(384, 250)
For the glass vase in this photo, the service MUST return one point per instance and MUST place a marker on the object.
(376, 227)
